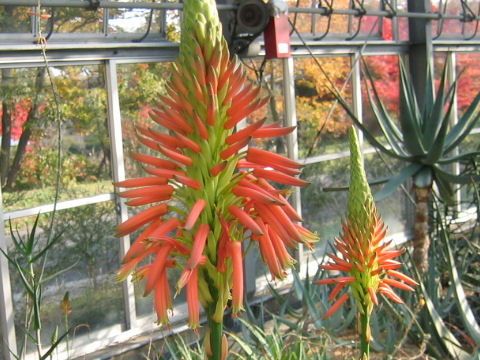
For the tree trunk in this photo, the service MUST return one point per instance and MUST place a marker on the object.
(421, 241)
(6, 140)
(27, 132)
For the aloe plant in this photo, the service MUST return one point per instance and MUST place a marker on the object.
(206, 194)
(425, 142)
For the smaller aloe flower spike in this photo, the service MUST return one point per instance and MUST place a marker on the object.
(362, 254)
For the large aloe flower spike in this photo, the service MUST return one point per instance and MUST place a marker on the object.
(366, 259)
(205, 193)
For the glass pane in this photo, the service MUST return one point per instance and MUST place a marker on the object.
(322, 124)
(385, 74)
(468, 79)
(139, 86)
(324, 201)
(395, 209)
(15, 19)
(85, 261)
(457, 27)
(29, 175)
(142, 21)
(273, 111)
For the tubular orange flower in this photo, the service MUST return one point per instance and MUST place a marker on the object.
(363, 255)
(195, 163)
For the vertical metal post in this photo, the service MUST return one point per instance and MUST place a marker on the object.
(8, 344)
(421, 48)
(357, 91)
(118, 167)
(451, 78)
(292, 138)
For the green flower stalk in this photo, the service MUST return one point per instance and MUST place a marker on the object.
(204, 193)
(367, 261)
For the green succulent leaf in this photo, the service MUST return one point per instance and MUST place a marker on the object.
(466, 313)
(410, 118)
(464, 126)
(368, 135)
(398, 180)
(458, 158)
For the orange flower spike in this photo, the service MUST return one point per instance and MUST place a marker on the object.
(336, 305)
(268, 132)
(265, 157)
(162, 298)
(198, 246)
(366, 260)
(255, 195)
(140, 219)
(373, 295)
(244, 133)
(176, 155)
(245, 219)
(200, 127)
(402, 276)
(164, 228)
(186, 142)
(217, 169)
(145, 181)
(154, 161)
(336, 290)
(237, 287)
(195, 212)
(138, 247)
(281, 251)
(225, 154)
(157, 267)
(158, 136)
(192, 300)
(398, 284)
(279, 177)
(155, 190)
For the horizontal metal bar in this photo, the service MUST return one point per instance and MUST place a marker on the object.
(223, 7)
(105, 4)
(60, 206)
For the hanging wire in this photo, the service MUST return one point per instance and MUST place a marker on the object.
(469, 16)
(360, 10)
(441, 14)
(392, 12)
(329, 80)
(328, 11)
(149, 26)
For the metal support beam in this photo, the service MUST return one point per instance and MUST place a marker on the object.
(118, 167)
(292, 138)
(421, 49)
(8, 344)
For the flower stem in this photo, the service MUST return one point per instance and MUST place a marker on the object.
(365, 336)
(216, 333)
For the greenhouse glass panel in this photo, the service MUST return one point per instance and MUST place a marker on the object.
(69, 20)
(322, 123)
(403, 32)
(80, 288)
(396, 208)
(30, 141)
(139, 86)
(324, 201)
(446, 27)
(15, 19)
(468, 79)
(384, 71)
